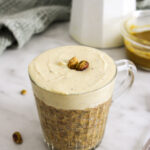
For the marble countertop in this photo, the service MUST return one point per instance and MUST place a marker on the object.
(128, 123)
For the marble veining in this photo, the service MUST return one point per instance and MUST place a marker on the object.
(128, 123)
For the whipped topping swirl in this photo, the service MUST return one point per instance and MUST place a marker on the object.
(54, 80)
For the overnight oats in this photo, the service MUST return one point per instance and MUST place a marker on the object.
(73, 88)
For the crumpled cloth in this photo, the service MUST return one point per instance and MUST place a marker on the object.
(21, 19)
(143, 4)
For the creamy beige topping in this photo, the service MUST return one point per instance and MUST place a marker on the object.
(58, 83)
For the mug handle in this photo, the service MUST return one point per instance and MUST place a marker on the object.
(126, 71)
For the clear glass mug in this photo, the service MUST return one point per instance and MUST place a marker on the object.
(81, 129)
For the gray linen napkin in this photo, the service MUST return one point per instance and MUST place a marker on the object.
(20, 19)
(143, 4)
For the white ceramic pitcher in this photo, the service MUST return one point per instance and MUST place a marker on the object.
(96, 23)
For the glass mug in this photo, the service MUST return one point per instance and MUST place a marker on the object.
(81, 129)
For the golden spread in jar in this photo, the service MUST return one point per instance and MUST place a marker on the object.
(138, 47)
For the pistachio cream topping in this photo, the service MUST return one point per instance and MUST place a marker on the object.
(51, 76)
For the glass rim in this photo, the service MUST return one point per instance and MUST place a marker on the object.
(130, 37)
(75, 94)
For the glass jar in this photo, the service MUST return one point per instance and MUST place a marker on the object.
(136, 34)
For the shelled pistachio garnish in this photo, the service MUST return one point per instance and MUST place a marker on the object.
(75, 64)
(23, 92)
(17, 138)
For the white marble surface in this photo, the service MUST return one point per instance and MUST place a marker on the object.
(129, 118)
